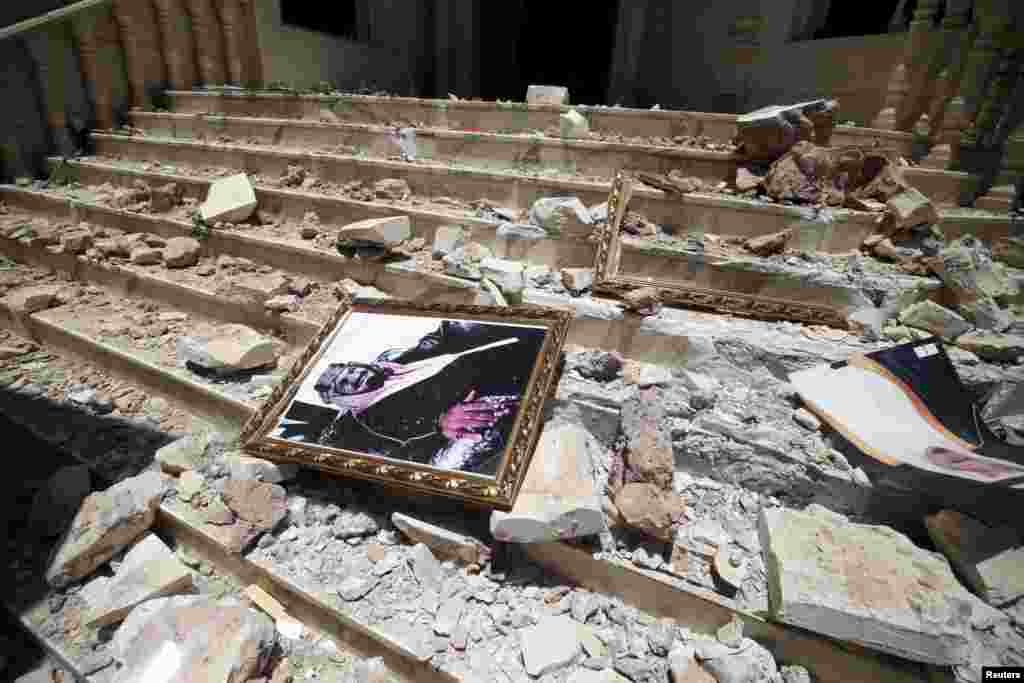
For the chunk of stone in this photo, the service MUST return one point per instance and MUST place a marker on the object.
(235, 348)
(562, 215)
(25, 300)
(550, 645)
(991, 560)
(766, 245)
(643, 301)
(106, 522)
(578, 279)
(966, 267)
(56, 503)
(426, 567)
(865, 584)
(186, 453)
(730, 568)
(441, 541)
(505, 273)
(146, 256)
(645, 425)
(174, 635)
(447, 238)
(751, 662)
(986, 314)
(390, 231)
(939, 320)
(647, 508)
(684, 668)
(76, 241)
(165, 197)
(391, 188)
(559, 498)
(190, 484)
(1009, 250)
(806, 419)
(547, 94)
(731, 633)
(448, 616)
(910, 208)
(231, 200)
(600, 366)
(992, 346)
(356, 587)
(181, 252)
(149, 570)
(573, 124)
(490, 295)
(465, 261)
(260, 504)
(354, 525)
(260, 287)
(795, 674)
(767, 133)
(245, 467)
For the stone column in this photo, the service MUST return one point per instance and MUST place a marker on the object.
(60, 77)
(910, 78)
(96, 34)
(140, 38)
(209, 42)
(179, 44)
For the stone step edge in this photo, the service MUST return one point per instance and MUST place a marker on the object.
(224, 412)
(831, 661)
(142, 117)
(301, 604)
(402, 169)
(51, 648)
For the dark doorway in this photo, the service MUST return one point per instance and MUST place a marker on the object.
(525, 42)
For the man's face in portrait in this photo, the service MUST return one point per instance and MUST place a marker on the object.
(349, 379)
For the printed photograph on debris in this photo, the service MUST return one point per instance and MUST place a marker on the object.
(434, 391)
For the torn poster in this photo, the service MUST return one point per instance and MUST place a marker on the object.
(905, 405)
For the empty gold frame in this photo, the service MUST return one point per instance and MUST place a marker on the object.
(446, 399)
(608, 278)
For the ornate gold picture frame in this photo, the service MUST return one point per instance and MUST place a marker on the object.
(445, 399)
(609, 280)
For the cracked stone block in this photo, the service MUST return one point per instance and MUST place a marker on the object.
(230, 199)
(390, 231)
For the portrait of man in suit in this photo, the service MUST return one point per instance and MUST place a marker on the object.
(448, 400)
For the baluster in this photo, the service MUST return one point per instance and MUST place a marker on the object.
(143, 55)
(93, 31)
(209, 42)
(178, 41)
(910, 77)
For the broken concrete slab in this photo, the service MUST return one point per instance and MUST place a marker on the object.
(185, 627)
(465, 261)
(505, 273)
(966, 267)
(390, 231)
(32, 299)
(181, 252)
(767, 133)
(939, 320)
(260, 287)
(235, 348)
(573, 124)
(866, 584)
(447, 238)
(909, 209)
(260, 504)
(56, 503)
(645, 425)
(562, 216)
(426, 567)
(441, 541)
(547, 94)
(106, 522)
(230, 199)
(559, 498)
(149, 570)
(550, 645)
(648, 508)
(245, 467)
(990, 559)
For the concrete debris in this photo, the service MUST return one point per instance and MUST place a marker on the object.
(637, 224)
(146, 256)
(990, 559)
(767, 133)
(506, 274)
(26, 300)
(643, 301)
(404, 140)
(648, 508)
(465, 261)
(550, 645)
(747, 178)
(441, 541)
(730, 568)
(674, 183)
(426, 567)
(244, 467)
(766, 245)
(356, 587)
(490, 295)
(559, 498)
(731, 633)
(908, 209)
(573, 124)
(186, 626)
(259, 288)
(600, 366)
(235, 348)
(749, 662)
(648, 453)
(388, 232)
(231, 200)
(190, 484)
(447, 239)
(106, 522)
(972, 277)
(263, 505)
(448, 616)
(547, 94)
(806, 419)
(866, 584)
(684, 667)
(562, 216)
(1009, 250)
(149, 570)
(578, 280)
(992, 346)
(931, 317)
(56, 503)
(187, 453)
(181, 252)
(392, 188)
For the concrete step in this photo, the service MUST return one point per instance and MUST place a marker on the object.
(715, 213)
(493, 116)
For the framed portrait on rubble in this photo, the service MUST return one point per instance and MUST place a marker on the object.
(441, 398)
